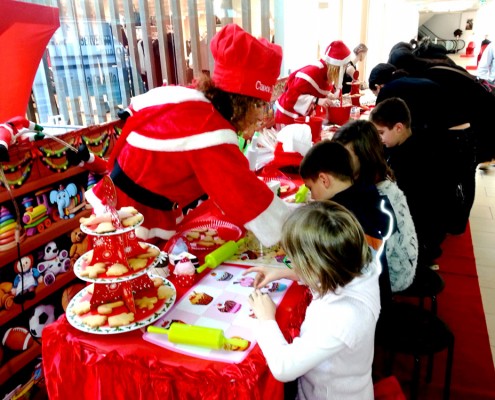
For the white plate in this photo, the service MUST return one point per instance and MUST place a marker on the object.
(160, 309)
(79, 267)
(88, 231)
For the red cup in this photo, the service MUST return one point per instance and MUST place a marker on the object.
(315, 123)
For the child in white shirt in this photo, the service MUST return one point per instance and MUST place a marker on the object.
(332, 357)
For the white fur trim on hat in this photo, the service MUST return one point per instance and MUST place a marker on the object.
(165, 95)
(337, 53)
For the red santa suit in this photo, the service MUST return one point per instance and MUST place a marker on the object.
(178, 148)
(305, 86)
(303, 89)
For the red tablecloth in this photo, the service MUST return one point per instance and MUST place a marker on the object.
(79, 365)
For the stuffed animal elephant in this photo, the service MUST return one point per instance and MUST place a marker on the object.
(63, 199)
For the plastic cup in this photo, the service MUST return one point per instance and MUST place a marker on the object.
(315, 123)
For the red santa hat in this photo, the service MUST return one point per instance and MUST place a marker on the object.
(243, 64)
(338, 54)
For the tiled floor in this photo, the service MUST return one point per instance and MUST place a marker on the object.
(482, 223)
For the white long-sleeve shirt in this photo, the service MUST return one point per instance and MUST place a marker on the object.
(486, 66)
(332, 357)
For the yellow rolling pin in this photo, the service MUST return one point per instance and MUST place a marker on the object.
(223, 253)
(211, 338)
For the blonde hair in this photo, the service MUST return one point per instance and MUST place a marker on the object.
(326, 245)
(333, 73)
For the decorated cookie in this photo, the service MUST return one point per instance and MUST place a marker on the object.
(246, 281)
(200, 298)
(229, 306)
(222, 276)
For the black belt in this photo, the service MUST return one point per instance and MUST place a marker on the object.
(145, 196)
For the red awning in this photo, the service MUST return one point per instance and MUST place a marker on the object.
(25, 30)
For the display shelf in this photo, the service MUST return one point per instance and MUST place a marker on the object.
(38, 240)
(42, 292)
(37, 184)
(16, 363)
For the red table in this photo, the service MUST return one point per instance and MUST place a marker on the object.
(79, 365)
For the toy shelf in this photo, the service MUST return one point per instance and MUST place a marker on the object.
(36, 185)
(42, 292)
(38, 240)
(18, 362)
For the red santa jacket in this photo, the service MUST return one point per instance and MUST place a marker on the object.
(178, 147)
(302, 90)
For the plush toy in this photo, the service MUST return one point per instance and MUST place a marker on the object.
(62, 197)
(79, 245)
(54, 262)
(26, 280)
(6, 295)
(43, 315)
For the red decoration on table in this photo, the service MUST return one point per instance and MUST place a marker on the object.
(109, 250)
(105, 293)
(132, 247)
(141, 283)
(128, 297)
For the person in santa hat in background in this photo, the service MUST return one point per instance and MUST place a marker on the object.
(180, 144)
(313, 85)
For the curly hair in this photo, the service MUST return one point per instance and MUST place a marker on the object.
(232, 106)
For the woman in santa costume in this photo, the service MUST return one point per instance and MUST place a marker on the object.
(313, 85)
(180, 144)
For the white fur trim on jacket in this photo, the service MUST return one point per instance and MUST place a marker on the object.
(263, 226)
(284, 111)
(312, 82)
(194, 142)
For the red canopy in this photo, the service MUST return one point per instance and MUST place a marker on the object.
(25, 30)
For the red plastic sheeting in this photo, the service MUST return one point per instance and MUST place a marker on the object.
(80, 366)
(25, 30)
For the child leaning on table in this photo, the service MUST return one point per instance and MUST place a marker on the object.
(332, 357)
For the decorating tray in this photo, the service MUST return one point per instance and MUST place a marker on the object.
(142, 318)
(207, 235)
(82, 262)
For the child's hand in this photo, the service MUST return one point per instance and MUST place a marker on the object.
(263, 306)
(264, 275)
